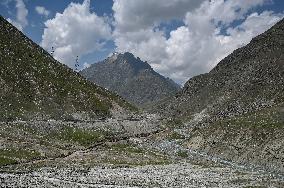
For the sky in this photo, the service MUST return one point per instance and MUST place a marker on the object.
(178, 38)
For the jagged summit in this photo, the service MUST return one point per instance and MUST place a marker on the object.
(130, 77)
(128, 58)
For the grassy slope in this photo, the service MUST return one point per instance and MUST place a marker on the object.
(23, 142)
(32, 81)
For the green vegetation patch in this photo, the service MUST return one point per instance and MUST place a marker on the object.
(182, 154)
(81, 136)
(19, 153)
(174, 123)
(176, 136)
(12, 155)
(127, 154)
(6, 161)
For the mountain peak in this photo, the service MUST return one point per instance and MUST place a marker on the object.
(121, 55)
(129, 59)
(130, 77)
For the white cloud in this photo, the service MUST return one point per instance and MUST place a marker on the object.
(206, 37)
(21, 18)
(137, 14)
(76, 31)
(42, 11)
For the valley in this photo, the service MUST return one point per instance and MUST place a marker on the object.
(115, 153)
(224, 128)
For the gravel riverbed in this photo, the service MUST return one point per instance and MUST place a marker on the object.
(172, 175)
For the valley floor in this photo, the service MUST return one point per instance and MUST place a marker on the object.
(139, 154)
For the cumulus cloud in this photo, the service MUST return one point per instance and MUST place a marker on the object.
(75, 32)
(137, 14)
(42, 11)
(195, 47)
(21, 20)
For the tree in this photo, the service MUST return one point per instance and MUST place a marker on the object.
(52, 51)
(77, 64)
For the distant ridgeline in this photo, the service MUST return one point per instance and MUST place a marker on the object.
(35, 86)
(131, 78)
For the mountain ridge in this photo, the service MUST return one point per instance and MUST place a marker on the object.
(243, 77)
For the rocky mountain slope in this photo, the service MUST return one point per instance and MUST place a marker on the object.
(249, 79)
(34, 85)
(236, 111)
(131, 78)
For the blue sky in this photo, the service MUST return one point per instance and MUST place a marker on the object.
(101, 7)
(35, 29)
(179, 39)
